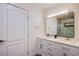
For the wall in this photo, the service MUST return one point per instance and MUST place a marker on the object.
(35, 24)
(72, 7)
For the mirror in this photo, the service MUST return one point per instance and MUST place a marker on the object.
(51, 26)
(61, 25)
(65, 25)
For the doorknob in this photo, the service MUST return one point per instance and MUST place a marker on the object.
(1, 41)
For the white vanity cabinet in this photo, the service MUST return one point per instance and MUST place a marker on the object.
(47, 48)
(51, 48)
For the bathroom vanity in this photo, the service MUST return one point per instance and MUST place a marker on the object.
(47, 47)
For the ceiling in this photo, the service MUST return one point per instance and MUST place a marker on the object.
(44, 5)
(54, 5)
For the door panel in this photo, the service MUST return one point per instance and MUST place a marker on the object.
(15, 43)
(15, 25)
(15, 50)
(16, 31)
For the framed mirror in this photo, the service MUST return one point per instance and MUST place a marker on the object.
(61, 25)
(65, 25)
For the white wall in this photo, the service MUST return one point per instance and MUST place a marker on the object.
(72, 7)
(35, 24)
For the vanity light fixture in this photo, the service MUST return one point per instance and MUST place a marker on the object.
(63, 12)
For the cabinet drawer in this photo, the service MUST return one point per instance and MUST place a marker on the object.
(70, 49)
(54, 52)
(48, 43)
(52, 44)
(48, 51)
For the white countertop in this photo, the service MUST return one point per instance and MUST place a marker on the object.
(72, 42)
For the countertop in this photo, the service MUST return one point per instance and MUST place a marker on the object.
(71, 42)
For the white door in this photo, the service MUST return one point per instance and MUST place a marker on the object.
(16, 32)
